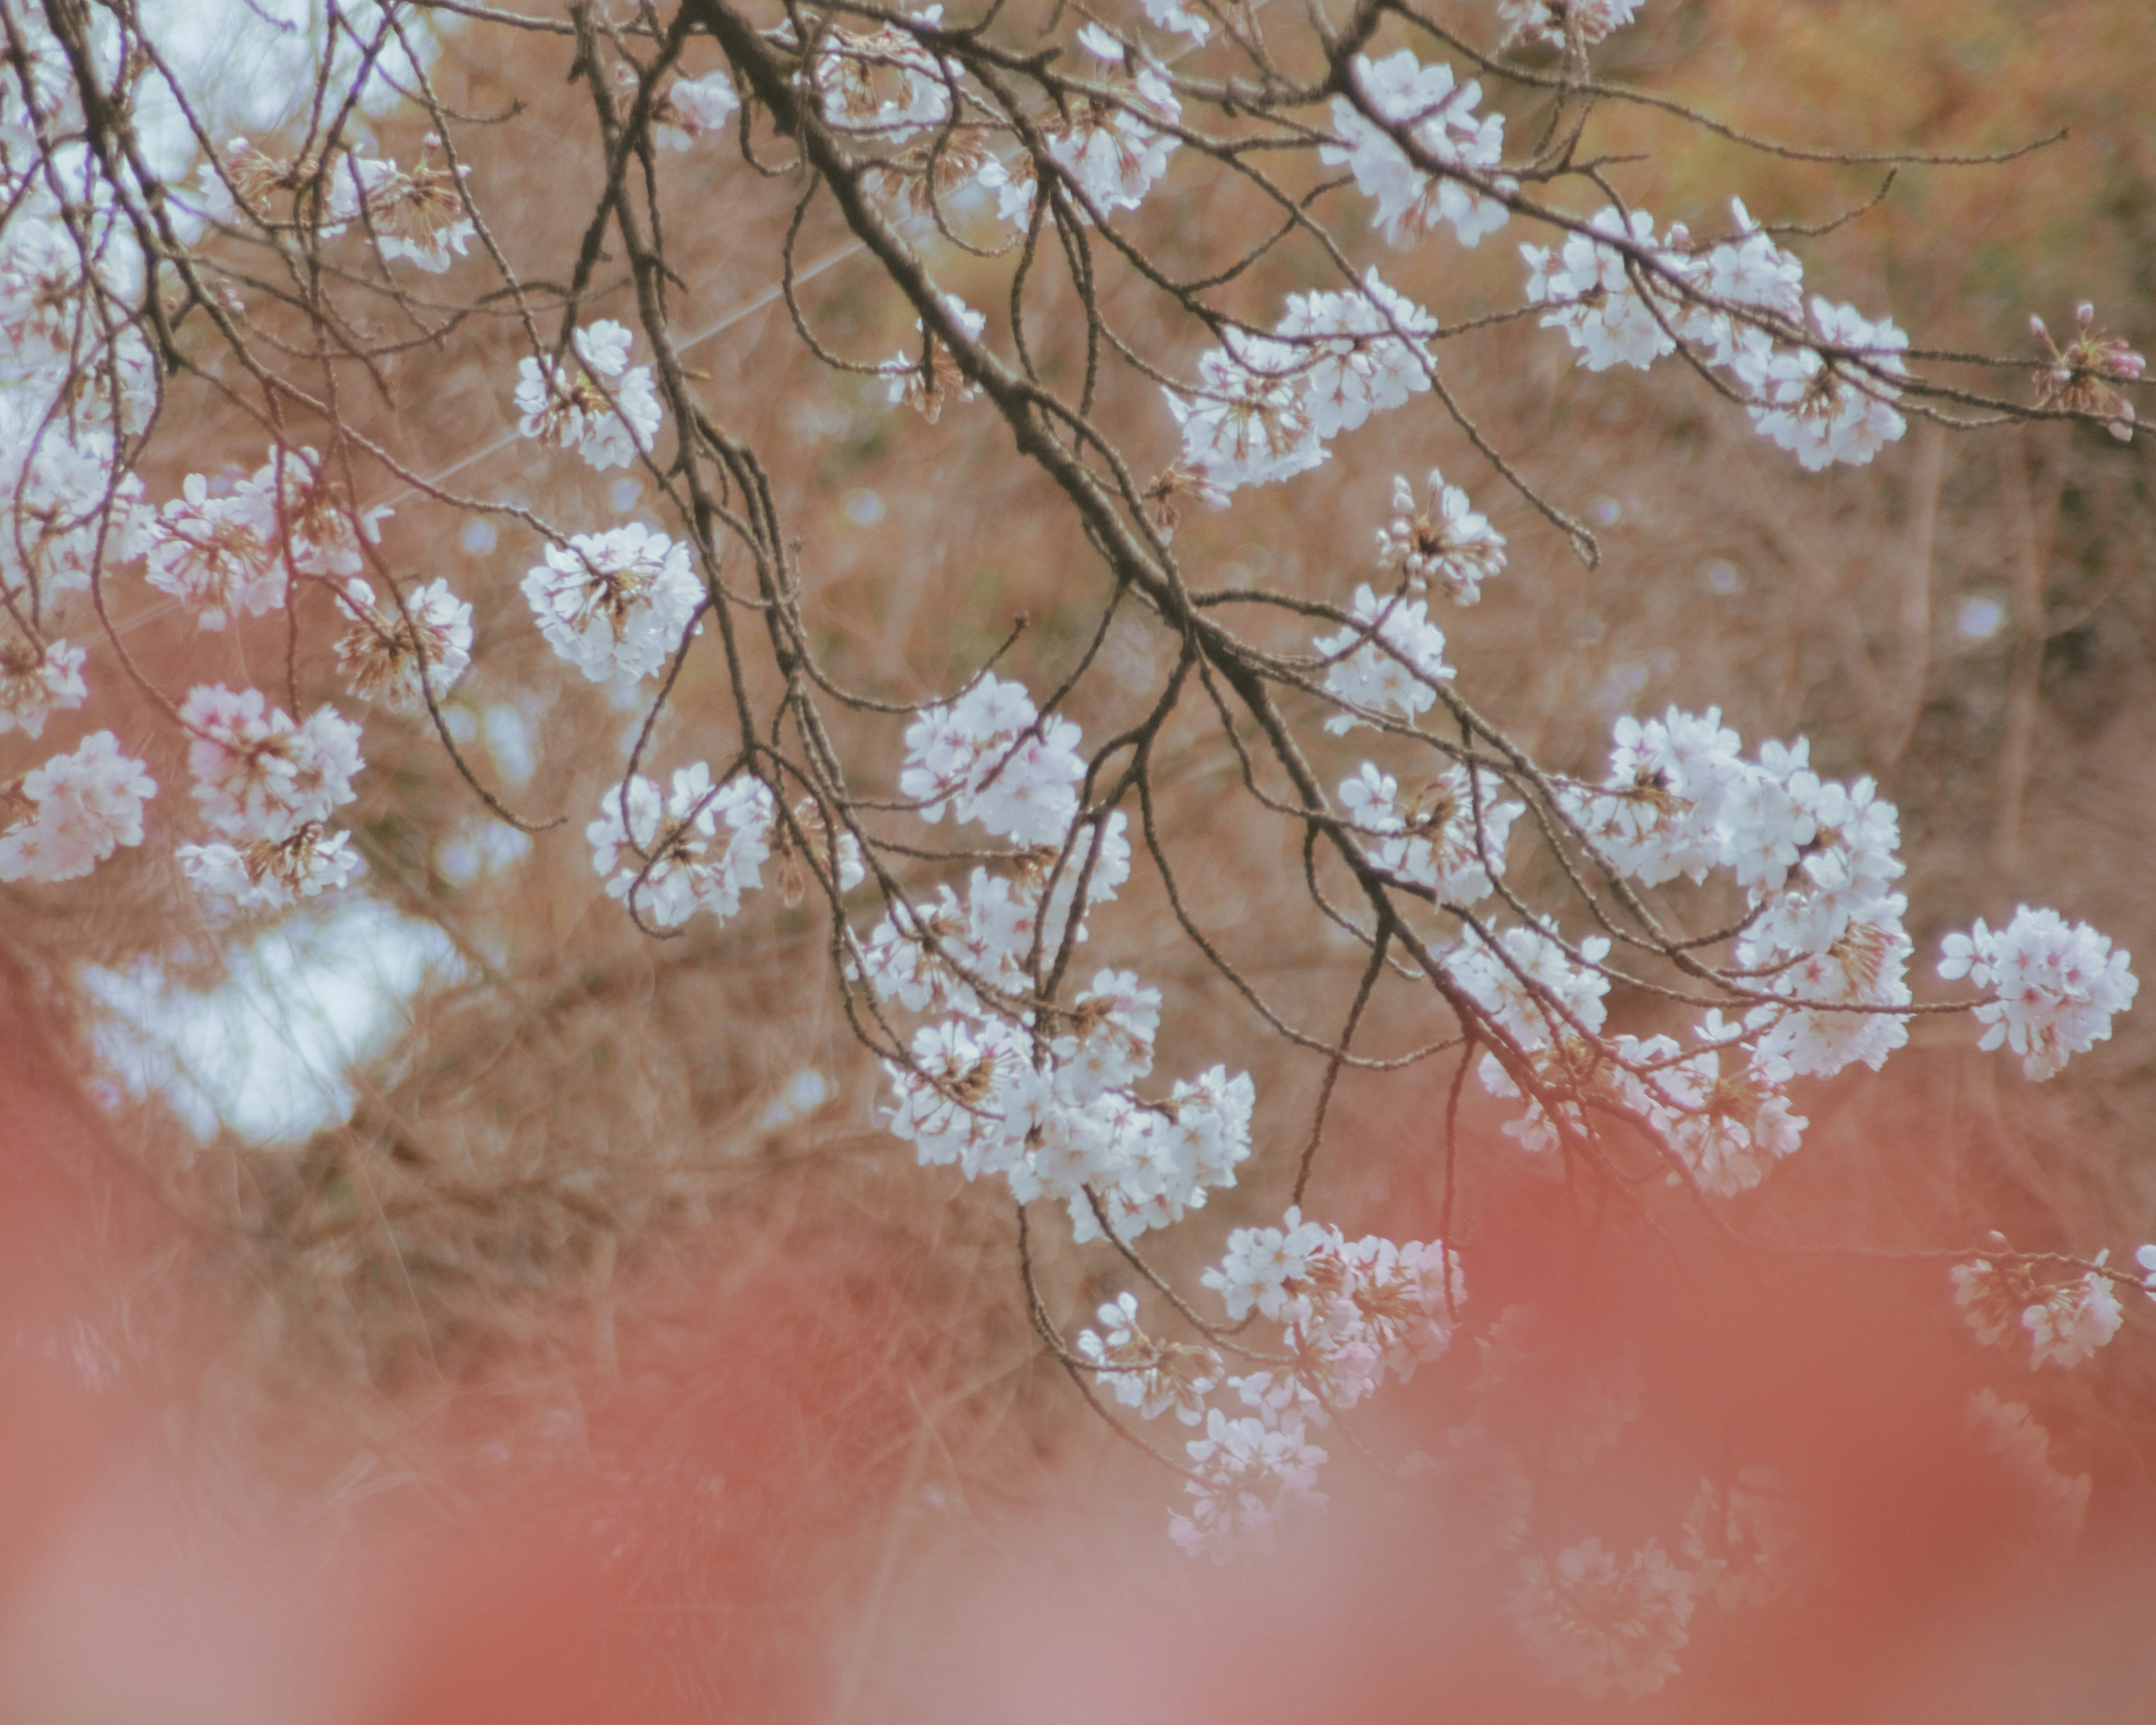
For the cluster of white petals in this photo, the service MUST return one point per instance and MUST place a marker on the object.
(70, 815)
(1150, 1375)
(1823, 407)
(1046, 1098)
(65, 509)
(1601, 1626)
(270, 873)
(1363, 352)
(990, 759)
(204, 550)
(1111, 144)
(1624, 296)
(615, 604)
(1748, 272)
(1252, 1474)
(1265, 405)
(394, 653)
(1388, 661)
(1351, 1312)
(697, 848)
(1247, 423)
(694, 109)
(1447, 542)
(2064, 1323)
(1449, 836)
(596, 402)
(2055, 989)
(1437, 114)
(257, 775)
(418, 214)
(1593, 296)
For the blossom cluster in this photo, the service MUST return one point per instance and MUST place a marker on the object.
(1266, 406)
(2055, 989)
(1447, 542)
(1386, 662)
(1819, 964)
(2063, 1321)
(267, 786)
(1624, 297)
(592, 400)
(1350, 1313)
(1437, 113)
(420, 214)
(225, 551)
(1048, 1097)
(615, 604)
(80, 806)
(697, 848)
(1449, 836)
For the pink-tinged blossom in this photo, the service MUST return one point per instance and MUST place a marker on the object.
(1598, 1626)
(697, 848)
(1263, 1267)
(1660, 813)
(65, 511)
(419, 215)
(37, 678)
(2056, 989)
(1748, 271)
(1447, 542)
(1439, 115)
(615, 604)
(305, 520)
(269, 874)
(2082, 377)
(1251, 1474)
(594, 403)
(1399, 683)
(82, 806)
(42, 301)
(258, 776)
(1866, 967)
(882, 85)
(1431, 838)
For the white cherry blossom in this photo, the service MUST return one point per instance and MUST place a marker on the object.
(615, 604)
(1439, 114)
